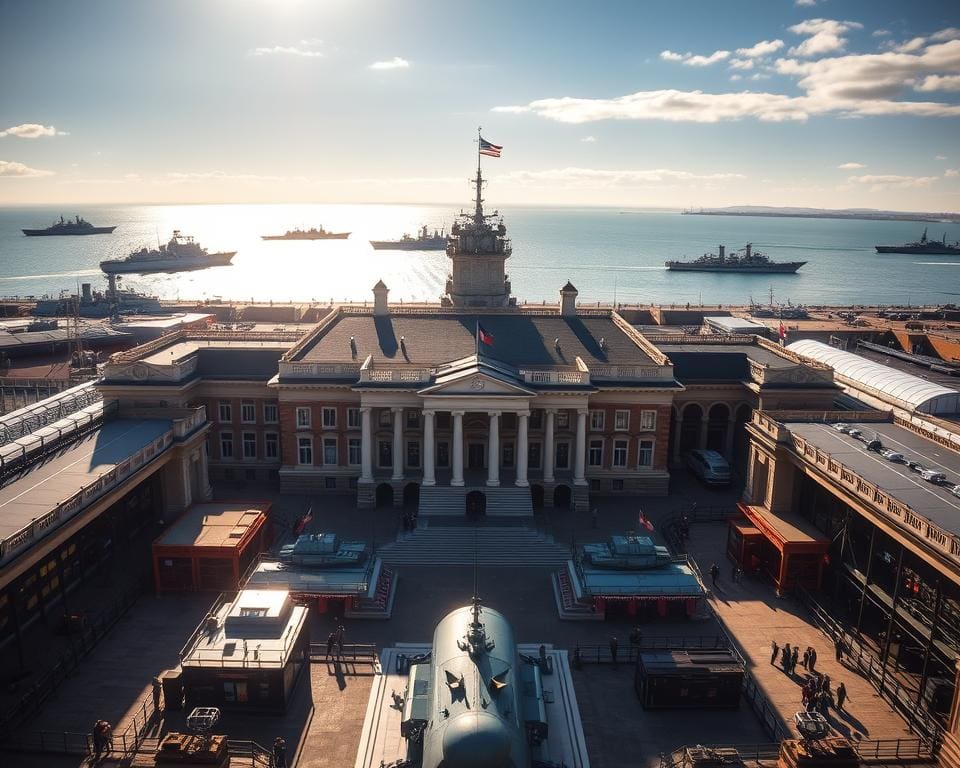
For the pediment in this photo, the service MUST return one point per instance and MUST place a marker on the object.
(477, 383)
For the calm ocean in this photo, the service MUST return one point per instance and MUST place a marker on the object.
(606, 253)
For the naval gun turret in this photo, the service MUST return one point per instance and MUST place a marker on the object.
(474, 702)
(323, 550)
(626, 553)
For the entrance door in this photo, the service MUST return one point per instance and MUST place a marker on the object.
(476, 505)
(476, 454)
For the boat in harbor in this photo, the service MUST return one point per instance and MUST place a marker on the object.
(746, 260)
(424, 241)
(181, 254)
(924, 247)
(74, 226)
(313, 233)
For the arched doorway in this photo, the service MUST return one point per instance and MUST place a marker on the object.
(476, 506)
(536, 496)
(690, 427)
(384, 495)
(718, 421)
(562, 496)
(411, 494)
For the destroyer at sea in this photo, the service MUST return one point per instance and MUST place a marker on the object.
(181, 254)
(924, 247)
(308, 234)
(75, 226)
(745, 260)
(424, 241)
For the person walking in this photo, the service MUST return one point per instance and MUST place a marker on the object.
(614, 645)
(785, 655)
(774, 650)
(331, 641)
(841, 696)
(806, 657)
(813, 659)
(279, 753)
(157, 693)
(98, 742)
(839, 647)
(825, 684)
(794, 658)
(714, 573)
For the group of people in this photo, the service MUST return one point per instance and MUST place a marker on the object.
(790, 657)
(102, 738)
(335, 641)
(409, 522)
(816, 693)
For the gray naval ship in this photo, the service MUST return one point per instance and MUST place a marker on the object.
(474, 701)
(181, 254)
(745, 260)
(424, 241)
(924, 247)
(75, 226)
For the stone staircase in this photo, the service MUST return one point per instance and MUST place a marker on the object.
(496, 545)
(451, 501)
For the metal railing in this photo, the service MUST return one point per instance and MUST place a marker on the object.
(868, 750)
(355, 652)
(628, 652)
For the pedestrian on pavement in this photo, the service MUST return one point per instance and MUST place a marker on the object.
(714, 573)
(813, 659)
(774, 650)
(157, 693)
(614, 645)
(98, 742)
(794, 658)
(838, 646)
(841, 696)
(331, 641)
(825, 684)
(806, 657)
(785, 657)
(279, 753)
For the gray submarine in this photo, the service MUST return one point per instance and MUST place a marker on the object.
(474, 701)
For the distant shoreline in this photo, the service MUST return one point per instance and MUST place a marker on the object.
(928, 218)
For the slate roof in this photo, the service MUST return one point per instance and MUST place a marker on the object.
(719, 362)
(522, 340)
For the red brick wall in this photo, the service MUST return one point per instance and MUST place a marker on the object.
(632, 434)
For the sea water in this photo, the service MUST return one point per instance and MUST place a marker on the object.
(609, 254)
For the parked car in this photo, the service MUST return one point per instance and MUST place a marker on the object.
(956, 491)
(933, 476)
(893, 456)
(709, 467)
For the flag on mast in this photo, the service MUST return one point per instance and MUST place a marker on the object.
(644, 523)
(484, 335)
(490, 149)
(783, 334)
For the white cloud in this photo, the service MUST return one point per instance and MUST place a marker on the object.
(759, 76)
(31, 131)
(741, 63)
(823, 36)
(395, 63)
(309, 48)
(950, 33)
(880, 33)
(735, 78)
(592, 177)
(952, 172)
(588, 140)
(805, 3)
(911, 45)
(763, 48)
(939, 83)
(21, 171)
(940, 157)
(851, 166)
(891, 181)
(695, 61)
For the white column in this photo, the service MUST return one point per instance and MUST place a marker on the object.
(493, 450)
(522, 449)
(429, 474)
(548, 449)
(457, 478)
(397, 443)
(205, 486)
(579, 469)
(366, 447)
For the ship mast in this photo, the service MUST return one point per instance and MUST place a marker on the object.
(478, 212)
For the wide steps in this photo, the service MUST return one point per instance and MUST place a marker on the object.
(494, 545)
(451, 501)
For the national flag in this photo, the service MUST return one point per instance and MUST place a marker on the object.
(304, 521)
(783, 334)
(484, 335)
(486, 148)
(644, 522)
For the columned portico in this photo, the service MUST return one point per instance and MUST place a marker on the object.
(397, 443)
(548, 447)
(366, 447)
(522, 447)
(580, 465)
(429, 471)
(493, 450)
(457, 448)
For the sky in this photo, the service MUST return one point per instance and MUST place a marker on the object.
(640, 103)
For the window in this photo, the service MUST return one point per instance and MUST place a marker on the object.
(648, 420)
(443, 454)
(303, 417)
(645, 454)
(270, 415)
(249, 445)
(594, 485)
(225, 412)
(596, 421)
(534, 455)
(413, 453)
(536, 420)
(330, 451)
(563, 456)
(617, 484)
(330, 483)
(250, 613)
(271, 445)
(248, 412)
(329, 417)
(595, 456)
(621, 421)
(507, 455)
(385, 453)
(385, 420)
(353, 418)
(413, 419)
(305, 450)
(563, 419)
(226, 445)
(354, 456)
(619, 453)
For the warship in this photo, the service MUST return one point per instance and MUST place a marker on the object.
(181, 254)
(98, 304)
(308, 234)
(424, 241)
(75, 226)
(745, 260)
(924, 247)
(323, 550)
(626, 553)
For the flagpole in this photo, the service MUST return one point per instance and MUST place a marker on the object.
(477, 339)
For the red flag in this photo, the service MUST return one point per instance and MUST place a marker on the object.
(783, 333)
(484, 335)
(644, 522)
(303, 522)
